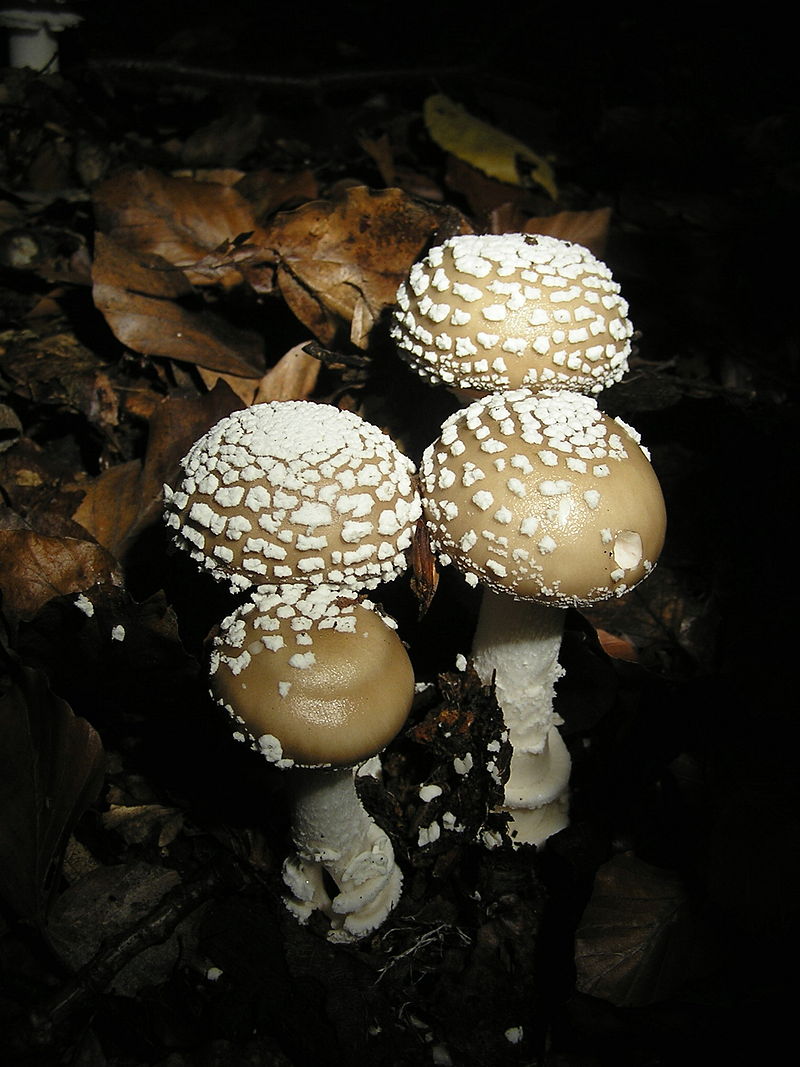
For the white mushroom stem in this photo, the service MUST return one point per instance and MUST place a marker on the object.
(516, 642)
(32, 40)
(334, 835)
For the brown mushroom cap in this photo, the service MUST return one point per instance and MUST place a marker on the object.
(312, 677)
(542, 496)
(492, 312)
(293, 491)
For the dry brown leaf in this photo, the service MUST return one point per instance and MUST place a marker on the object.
(637, 940)
(587, 228)
(269, 191)
(140, 299)
(54, 368)
(35, 568)
(335, 256)
(381, 152)
(293, 377)
(124, 500)
(51, 769)
(178, 219)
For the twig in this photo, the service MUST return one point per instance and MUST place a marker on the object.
(326, 80)
(40, 1027)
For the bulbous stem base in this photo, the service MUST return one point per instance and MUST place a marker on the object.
(335, 836)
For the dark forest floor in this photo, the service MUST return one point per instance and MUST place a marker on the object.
(660, 926)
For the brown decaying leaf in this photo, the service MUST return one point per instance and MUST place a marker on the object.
(637, 941)
(103, 906)
(35, 568)
(587, 228)
(337, 257)
(293, 377)
(51, 769)
(124, 500)
(55, 368)
(178, 219)
(425, 576)
(140, 298)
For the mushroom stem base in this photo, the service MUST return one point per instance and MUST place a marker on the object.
(335, 836)
(517, 642)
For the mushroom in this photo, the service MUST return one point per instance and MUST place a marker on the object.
(293, 491)
(492, 312)
(319, 681)
(305, 506)
(545, 502)
(33, 26)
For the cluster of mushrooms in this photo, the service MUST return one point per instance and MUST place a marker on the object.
(530, 491)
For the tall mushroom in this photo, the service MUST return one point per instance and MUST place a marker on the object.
(319, 681)
(305, 506)
(492, 312)
(545, 502)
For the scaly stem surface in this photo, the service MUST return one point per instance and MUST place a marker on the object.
(334, 835)
(517, 642)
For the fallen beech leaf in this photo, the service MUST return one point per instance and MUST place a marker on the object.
(616, 646)
(638, 941)
(124, 500)
(178, 219)
(335, 256)
(102, 907)
(587, 228)
(292, 378)
(141, 302)
(54, 368)
(35, 568)
(493, 152)
(51, 769)
(269, 191)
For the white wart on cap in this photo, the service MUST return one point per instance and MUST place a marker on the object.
(312, 677)
(293, 491)
(493, 312)
(542, 496)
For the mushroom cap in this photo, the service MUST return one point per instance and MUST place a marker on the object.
(542, 496)
(293, 491)
(311, 676)
(491, 312)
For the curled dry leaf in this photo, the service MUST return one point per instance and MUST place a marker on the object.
(293, 377)
(181, 220)
(51, 769)
(338, 259)
(35, 568)
(55, 368)
(124, 500)
(141, 298)
(587, 228)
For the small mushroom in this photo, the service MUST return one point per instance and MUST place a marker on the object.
(492, 312)
(305, 506)
(293, 491)
(32, 27)
(320, 681)
(545, 502)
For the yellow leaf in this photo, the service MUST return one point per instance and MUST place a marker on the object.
(497, 154)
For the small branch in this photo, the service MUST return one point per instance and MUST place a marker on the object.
(327, 80)
(39, 1028)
